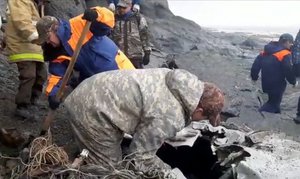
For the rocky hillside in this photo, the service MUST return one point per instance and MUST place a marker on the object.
(222, 58)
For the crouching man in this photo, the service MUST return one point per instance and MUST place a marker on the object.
(150, 104)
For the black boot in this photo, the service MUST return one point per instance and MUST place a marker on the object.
(297, 119)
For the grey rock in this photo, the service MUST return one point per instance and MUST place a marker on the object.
(64, 9)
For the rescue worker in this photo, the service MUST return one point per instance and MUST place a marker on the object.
(275, 64)
(149, 104)
(113, 3)
(20, 33)
(131, 34)
(98, 53)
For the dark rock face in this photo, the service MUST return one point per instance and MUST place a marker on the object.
(93, 3)
(64, 9)
(156, 9)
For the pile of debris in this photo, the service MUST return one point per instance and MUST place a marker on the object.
(198, 151)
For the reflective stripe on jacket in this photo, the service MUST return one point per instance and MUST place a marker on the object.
(20, 31)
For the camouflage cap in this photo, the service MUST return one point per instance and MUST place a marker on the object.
(44, 26)
(124, 3)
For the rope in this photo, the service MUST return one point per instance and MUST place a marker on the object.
(43, 154)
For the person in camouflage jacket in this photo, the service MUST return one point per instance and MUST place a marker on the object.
(152, 105)
(131, 34)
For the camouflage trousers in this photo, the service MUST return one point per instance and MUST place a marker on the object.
(103, 140)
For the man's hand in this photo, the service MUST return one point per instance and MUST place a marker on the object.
(136, 8)
(90, 15)
(296, 84)
(53, 103)
(112, 7)
(146, 58)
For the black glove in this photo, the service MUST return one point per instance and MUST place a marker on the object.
(90, 15)
(146, 58)
(53, 103)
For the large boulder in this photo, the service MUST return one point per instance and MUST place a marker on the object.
(156, 9)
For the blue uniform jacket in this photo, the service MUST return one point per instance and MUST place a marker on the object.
(275, 64)
(97, 55)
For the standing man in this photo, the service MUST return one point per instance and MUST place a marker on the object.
(152, 105)
(275, 64)
(131, 34)
(113, 3)
(98, 53)
(20, 33)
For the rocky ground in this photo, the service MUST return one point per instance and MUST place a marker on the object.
(222, 58)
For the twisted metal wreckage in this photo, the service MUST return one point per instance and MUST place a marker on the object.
(198, 151)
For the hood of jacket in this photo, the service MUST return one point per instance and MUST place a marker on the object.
(273, 47)
(186, 88)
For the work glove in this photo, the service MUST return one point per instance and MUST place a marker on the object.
(53, 103)
(136, 8)
(112, 7)
(296, 84)
(146, 58)
(90, 15)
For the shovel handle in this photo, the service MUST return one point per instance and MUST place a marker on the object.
(50, 117)
(73, 60)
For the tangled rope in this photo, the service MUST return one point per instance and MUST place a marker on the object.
(47, 158)
(125, 169)
(43, 155)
